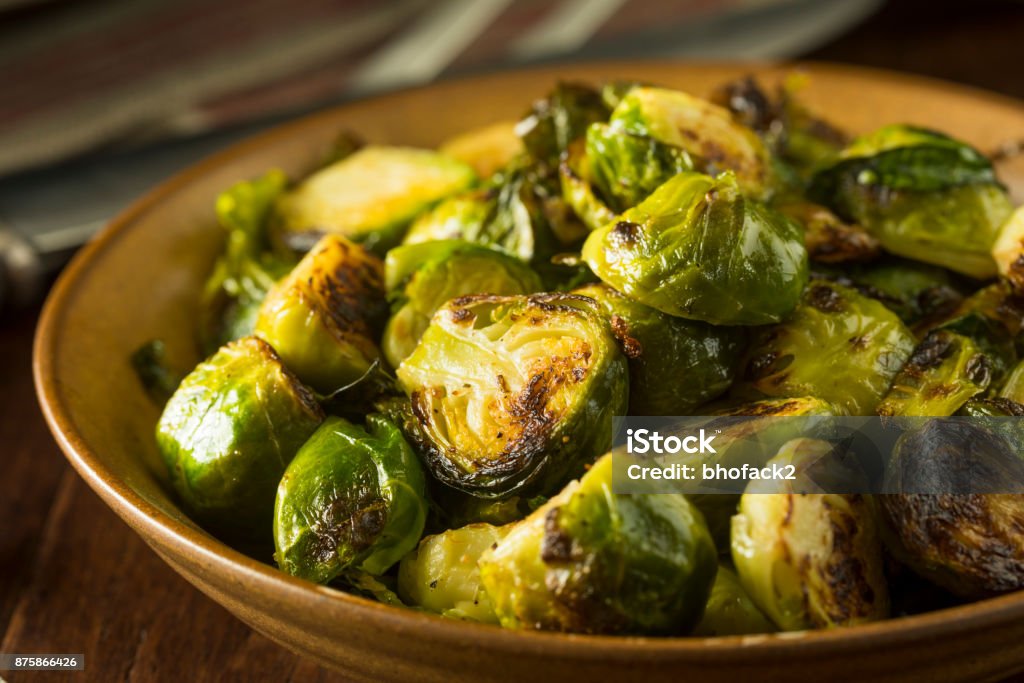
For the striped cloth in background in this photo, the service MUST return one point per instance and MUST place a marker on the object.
(82, 75)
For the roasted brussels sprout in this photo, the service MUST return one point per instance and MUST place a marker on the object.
(809, 560)
(944, 371)
(799, 406)
(1013, 386)
(993, 318)
(518, 212)
(626, 168)
(591, 561)
(701, 359)
(838, 345)
(228, 433)
(486, 150)
(827, 238)
(421, 277)
(730, 611)
(442, 575)
(705, 131)
(965, 541)
(1008, 250)
(923, 194)
(558, 119)
(246, 270)
(801, 140)
(324, 316)
(699, 249)
(577, 190)
(514, 394)
(916, 292)
(369, 197)
(351, 497)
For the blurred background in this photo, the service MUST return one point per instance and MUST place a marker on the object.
(101, 99)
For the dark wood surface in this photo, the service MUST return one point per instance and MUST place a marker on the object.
(74, 578)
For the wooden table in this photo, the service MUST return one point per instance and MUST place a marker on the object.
(74, 578)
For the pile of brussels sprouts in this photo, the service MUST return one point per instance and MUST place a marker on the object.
(414, 358)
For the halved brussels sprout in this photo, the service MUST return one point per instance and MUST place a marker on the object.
(245, 271)
(1008, 250)
(420, 278)
(486, 150)
(514, 394)
(592, 561)
(324, 316)
(228, 433)
(369, 197)
(699, 249)
(558, 119)
(463, 216)
(811, 560)
(944, 371)
(351, 498)
(838, 345)
(626, 168)
(707, 132)
(827, 238)
(674, 364)
(968, 543)
(923, 194)
(730, 611)
(442, 575)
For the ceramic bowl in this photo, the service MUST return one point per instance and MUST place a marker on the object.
(140, 279)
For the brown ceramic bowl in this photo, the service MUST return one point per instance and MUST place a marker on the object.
(140, 279)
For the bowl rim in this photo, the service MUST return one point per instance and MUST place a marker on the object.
(150, 522)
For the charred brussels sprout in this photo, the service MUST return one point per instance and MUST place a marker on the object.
(944, 371)
(578, 191)
(699, 249)
(560, 118)
(730, 611)
(838, 346)
(923, 194)
(351, 498)
(420, 278)
(442, 575)
(246, 270)
(324, 316)
(705, 131)
(827, 238)
(369, 197)
(228, 433)
(916, 292)
(809, 560)
(514, 394)
(967, 542)
(591, 561)
(700, 359)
